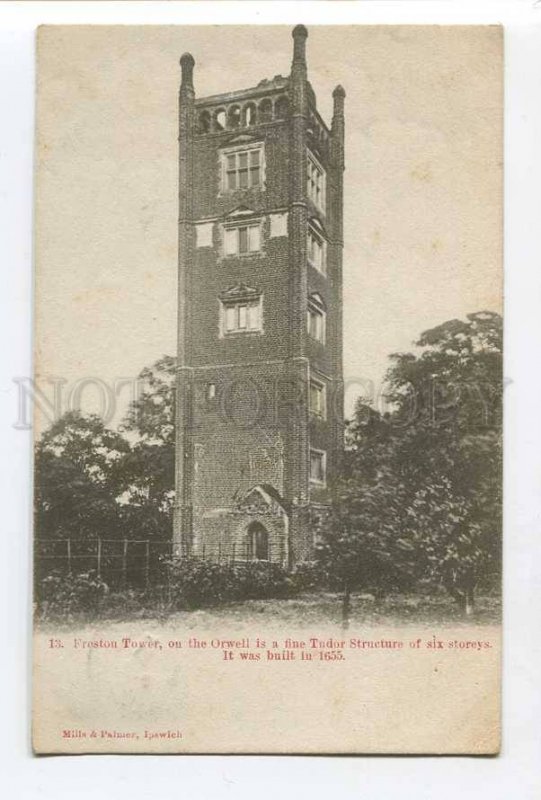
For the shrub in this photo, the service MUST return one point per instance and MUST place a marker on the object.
(66, 594)
(309, 576)
(126, 604)
(258, 580)
(191, 583)
(196, 583)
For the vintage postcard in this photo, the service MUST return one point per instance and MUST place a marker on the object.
(268, 389)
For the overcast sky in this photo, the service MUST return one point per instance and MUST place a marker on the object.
(423, 210)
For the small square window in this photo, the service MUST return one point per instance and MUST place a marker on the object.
(241, 316)
(242, 239)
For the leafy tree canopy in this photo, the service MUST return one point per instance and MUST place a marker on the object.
(420, 494)
(79, 476)
(92, 481)
(150, 465)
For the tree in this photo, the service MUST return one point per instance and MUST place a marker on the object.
(450, 397)
(92, 481)
(445, 540)
(149, 467)
(152, 415)
(78, 478)
(356, 540)
(420, 494)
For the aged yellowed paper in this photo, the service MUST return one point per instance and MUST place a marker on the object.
(268, 364)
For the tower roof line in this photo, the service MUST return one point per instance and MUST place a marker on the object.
(260, 90)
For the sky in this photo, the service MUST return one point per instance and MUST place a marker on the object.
(422, 187)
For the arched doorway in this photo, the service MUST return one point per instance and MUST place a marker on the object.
(258, 542)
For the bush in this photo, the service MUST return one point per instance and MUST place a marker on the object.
(196, 583)
(309, 576)
(126, 604)
(258, 580)
(191, 583)
(66, 594)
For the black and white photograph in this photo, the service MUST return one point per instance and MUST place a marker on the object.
(268, 386)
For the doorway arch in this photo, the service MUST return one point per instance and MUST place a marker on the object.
(258, 542)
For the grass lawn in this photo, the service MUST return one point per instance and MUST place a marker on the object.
(324, 608)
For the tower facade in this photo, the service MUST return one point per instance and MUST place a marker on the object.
(259, 401)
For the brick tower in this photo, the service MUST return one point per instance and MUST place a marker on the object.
(259, 412)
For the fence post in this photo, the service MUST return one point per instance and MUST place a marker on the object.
(203, 552)
(168, 579)
(98, 558)
(147, 562)
(219, 552)
(125, 563)
(68, 547)
(233, 553)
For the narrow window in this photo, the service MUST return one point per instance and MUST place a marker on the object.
(204, 122)
(231, 171)
(242, 317)
(254, 167)
(282, 108)
(230, 241)
(265, 111)
(243, 170)
(315, 183)
(254, 321)
(316, 319)
(219, 119)
(317, 399)
(318, 467)
(249, 114)
(257, 546)
(316, 251)
(233, 117)
(254, 243)
(230, 318)
(243, 240)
